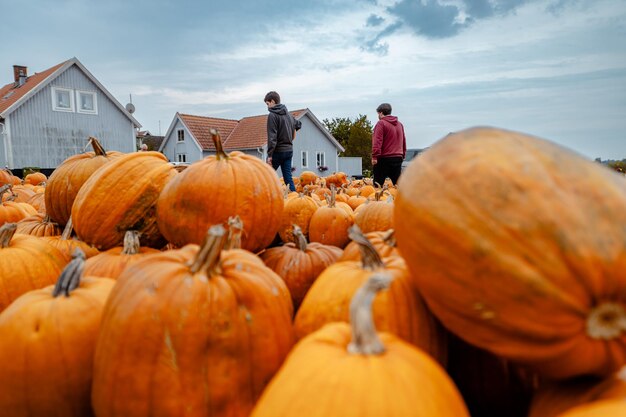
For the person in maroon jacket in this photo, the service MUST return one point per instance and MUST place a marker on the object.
(388, 146)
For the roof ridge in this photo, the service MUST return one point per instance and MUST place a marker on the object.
(208, 117)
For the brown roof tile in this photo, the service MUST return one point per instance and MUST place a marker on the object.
(9, 94)
(247, 133)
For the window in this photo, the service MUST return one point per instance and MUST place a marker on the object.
(181, 157)
(321, 159)
(181, 135)
(62, 99)
(305, 159)
(87, 102)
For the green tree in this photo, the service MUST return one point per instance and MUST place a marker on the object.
(619, 166)
(355, 136)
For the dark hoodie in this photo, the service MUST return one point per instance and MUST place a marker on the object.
(280, 128)
(388, 139)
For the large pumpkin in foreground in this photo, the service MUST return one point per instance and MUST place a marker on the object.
(351, 370)
(519, 246)
(53, 332)
(210, 191)
(197, 331)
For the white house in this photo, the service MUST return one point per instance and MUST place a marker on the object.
(314, 149)
(48, 116)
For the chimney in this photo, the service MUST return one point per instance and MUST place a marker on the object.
(19, 74)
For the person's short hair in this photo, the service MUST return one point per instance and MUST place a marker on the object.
(272, 95)
(384, 108)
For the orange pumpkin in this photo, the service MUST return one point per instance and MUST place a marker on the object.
(11, 211)
(299, 264)
(26, 263)
(556, 398)
(69, 177)
(604, 408)
(195, 199)
(383, 242)
(308, 178)
(122, 195)
(400, 310)
(375, 215)
(218, 324)
(35, 178)
(111, 263)
(518, 246)
(329, 224)
(38, 202)
(299, 211)
(351, 370)
(38, 225)
(53, 331)
(68, 245)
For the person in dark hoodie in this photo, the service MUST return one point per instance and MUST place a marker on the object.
(388, 146)
(281, 131)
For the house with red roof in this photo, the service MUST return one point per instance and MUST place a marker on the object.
(314, 149)
(48, 116)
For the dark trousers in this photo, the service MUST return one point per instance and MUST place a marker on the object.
(283, 160)
(390, 167)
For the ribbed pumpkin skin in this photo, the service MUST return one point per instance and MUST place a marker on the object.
(374, 216)
(111, 263)
(210, 191)
(552, 400)
(28, 263)
(173, 343)
(382, 246)
(121, 196)
(513, 241)
(68, 246)
(38, 226)
(329, 225)
(67, 179)
(321, 379)
(11, 212)
(298, 268)
(399, 310)
(298, 210)
(35, 178)
(54, 339)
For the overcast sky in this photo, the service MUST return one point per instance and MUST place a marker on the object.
(551, 68)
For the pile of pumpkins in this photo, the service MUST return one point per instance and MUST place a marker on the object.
(489, 282)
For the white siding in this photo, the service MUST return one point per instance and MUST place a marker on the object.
(41, 137)
(351, 165)
(187, 147)
(311, 139)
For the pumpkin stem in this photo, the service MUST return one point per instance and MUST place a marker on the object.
(235, 230)
(97, 146)
(67, 230)
(369, 256)
(131, 242)
(70, 277)
(332, 198)
(300, 238)
(4, 189)
(389, 237)
(365, 340)
(607, 321)
(208, 258)
(217, 141)
(6, 234)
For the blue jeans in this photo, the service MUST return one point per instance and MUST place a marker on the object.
(283, 160)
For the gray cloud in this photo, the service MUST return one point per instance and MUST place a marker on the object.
(376, 46)
(434, 19)
(374, 20)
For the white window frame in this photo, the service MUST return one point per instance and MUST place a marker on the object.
(181, 157)
(94, 95)
(70, 92)
(178, 134)
(317, 159)
(304, 159)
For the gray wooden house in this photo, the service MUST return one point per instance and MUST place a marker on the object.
(48, 116)
(188, 140)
